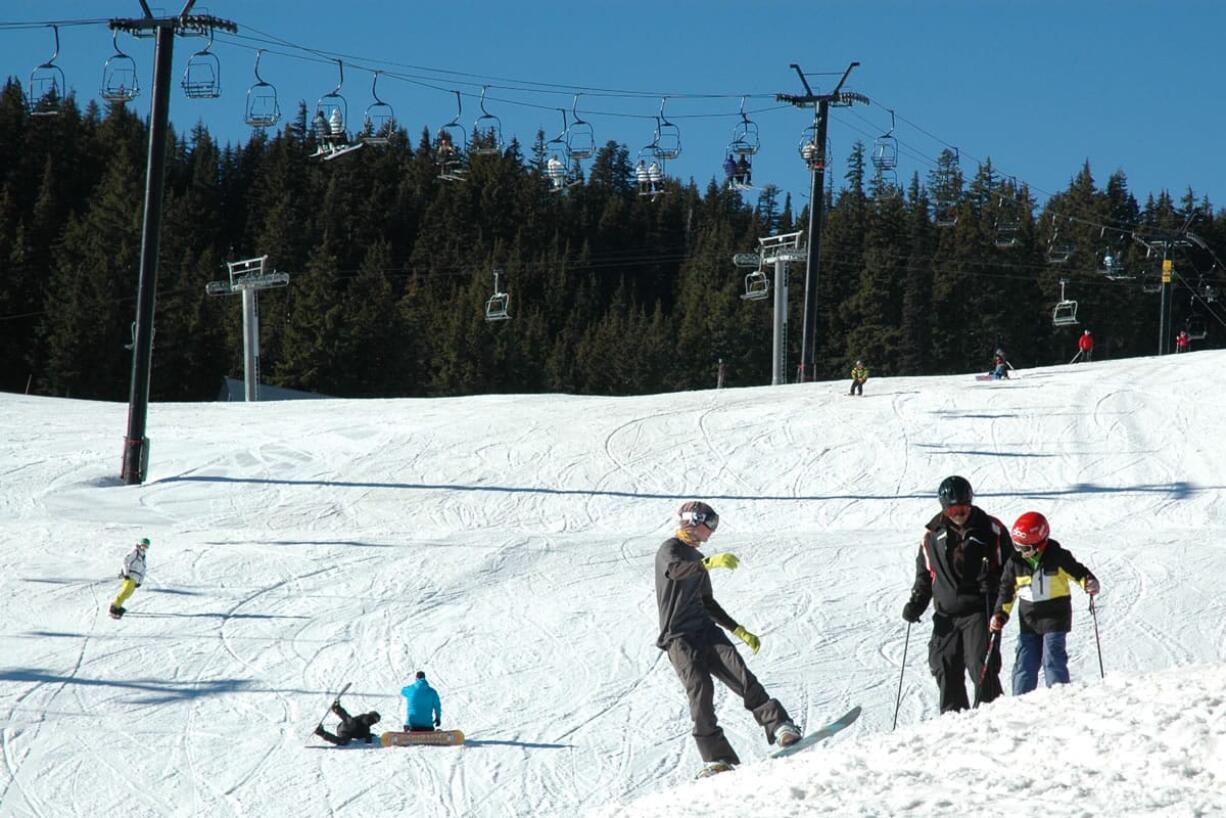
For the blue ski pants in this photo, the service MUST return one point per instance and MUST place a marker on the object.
(1035, 650)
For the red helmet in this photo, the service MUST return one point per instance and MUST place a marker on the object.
(1030, 529)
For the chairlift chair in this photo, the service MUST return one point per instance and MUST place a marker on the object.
(1151, 280)
(1065, 312)
(496, 307)
(451, 139)
(263, 110)
(745, 141)
(487, 131)
(885, 149)
(1008, 227)
(1059, 252)
(119, 79)
(580, 138)
(202, 76)
(47, 84)
(808, 148)
(668, 136)
(329, 122)
(558, 168)
(1196, 327)
(379, 120)
(757, 286)
(649, 170)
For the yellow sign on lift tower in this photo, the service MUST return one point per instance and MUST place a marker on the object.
(1167, 266)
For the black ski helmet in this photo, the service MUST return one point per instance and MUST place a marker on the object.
(375, 718)
(955, 491)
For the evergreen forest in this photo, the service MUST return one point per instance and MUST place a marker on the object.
(611, 292)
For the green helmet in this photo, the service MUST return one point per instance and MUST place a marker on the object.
(143, 542)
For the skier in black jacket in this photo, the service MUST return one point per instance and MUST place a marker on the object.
(689, 631)
(958, 568)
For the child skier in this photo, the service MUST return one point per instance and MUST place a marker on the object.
(1000, 366)
(133, 574)
(1039, 573)
(697, 648)
(351, 728)
(425, 711)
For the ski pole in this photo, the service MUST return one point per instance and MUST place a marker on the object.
(1075, 357)
(1094, 617)
(987, 661)
(901, 670)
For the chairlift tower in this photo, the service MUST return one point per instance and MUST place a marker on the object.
(136, 445)
(816, 160)
(779, 250)
(249, 277)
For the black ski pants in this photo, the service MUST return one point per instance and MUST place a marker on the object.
(857, 387)
(349, 729)
(708, 653)
(959, 645)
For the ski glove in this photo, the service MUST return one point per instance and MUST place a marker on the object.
(748, 638)
(998, 621)
(728, 561)
(1091, 586)
(911, 611)
(438, 722)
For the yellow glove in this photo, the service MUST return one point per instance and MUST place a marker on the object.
(728, 561)
(748, 638)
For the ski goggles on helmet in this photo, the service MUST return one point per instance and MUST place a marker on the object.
(957, 509)
(696, 518)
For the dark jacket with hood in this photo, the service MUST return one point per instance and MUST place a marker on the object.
(683, 593)
(959, 569)
(1041, 583)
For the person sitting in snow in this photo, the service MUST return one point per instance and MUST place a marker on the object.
(351, 728)
(425, 712)
(1039, 574)
(1000, 366)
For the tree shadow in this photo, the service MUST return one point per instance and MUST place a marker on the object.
(159, 692)
(527, 745)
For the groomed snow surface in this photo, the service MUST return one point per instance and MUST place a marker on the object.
(505, 545)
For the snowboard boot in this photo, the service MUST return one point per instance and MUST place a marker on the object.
(117, 611)
(787, 734)
(715, 768)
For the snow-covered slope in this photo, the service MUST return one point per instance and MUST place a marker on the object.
(504, 545)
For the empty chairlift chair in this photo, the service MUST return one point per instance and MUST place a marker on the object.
(380, 119)
(580, 138)
(202, 76)
(263, 110)
(47, 84)
(487, 132)
(757, 286)
(499, 302)
(1065, 312)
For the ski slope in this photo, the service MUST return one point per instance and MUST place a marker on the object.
(505, 545)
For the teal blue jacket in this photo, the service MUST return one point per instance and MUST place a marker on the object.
(423, 705)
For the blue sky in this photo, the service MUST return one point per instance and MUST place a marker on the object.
(1037, 86)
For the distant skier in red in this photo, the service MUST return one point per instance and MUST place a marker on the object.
(1086, 345)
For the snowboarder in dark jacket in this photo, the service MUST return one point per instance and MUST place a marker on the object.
(1039, 575)
(351, 728)
(690, 621)
(958, 568)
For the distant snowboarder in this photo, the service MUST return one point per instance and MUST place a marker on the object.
(859, 374)
(424, 710)
(133, 574)
(698, 649)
